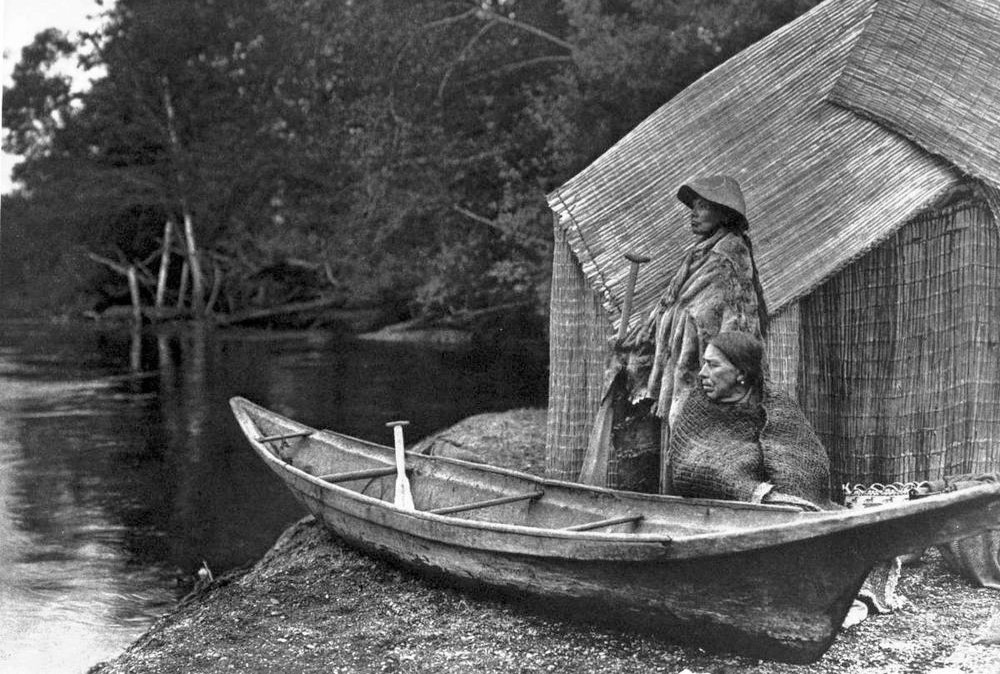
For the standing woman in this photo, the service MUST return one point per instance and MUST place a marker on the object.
(715, 289)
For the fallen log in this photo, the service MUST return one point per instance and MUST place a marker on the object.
(281, 310)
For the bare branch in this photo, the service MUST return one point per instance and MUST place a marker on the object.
(406, 46)
(481, 219)
(461, 57)
(527, 27)
(442, 159)
(512, 67)
(120, 268)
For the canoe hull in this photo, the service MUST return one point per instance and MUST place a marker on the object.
(761, 605)
(783, 599)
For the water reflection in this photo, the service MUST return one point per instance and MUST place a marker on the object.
(121, 468)
(62, 571)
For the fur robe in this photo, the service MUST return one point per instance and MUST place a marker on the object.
(713, 291)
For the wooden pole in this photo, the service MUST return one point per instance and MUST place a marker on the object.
(161, 278)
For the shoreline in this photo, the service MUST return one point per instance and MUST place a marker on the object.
(313, 604)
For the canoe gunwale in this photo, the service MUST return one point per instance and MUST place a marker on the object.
(720, 541)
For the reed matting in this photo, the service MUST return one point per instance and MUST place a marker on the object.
(900, 360)
(823, 184)
(931, 72)
(578, 351)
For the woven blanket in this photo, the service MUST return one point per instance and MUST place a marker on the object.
(726, 451)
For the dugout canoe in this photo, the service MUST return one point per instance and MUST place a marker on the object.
(764, 581)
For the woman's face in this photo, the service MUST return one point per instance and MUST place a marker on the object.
(705, 217)
(720, 380)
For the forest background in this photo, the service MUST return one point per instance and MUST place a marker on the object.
(361, 153)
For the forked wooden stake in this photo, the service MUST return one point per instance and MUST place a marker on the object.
(403, 498)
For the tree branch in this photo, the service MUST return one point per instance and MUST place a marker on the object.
(527, 27)
(441, 160)
(461, 56)
(481, 219)
(402, 52)
(120, 268)
(512, 67)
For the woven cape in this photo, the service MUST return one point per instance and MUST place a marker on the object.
(725, 451)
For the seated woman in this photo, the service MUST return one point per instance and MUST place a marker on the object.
(735, 438)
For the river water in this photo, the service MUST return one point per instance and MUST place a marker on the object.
(122, 470)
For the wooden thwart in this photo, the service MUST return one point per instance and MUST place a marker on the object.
(513, 498)
(611, 521)
(284, 436)
(358, 474)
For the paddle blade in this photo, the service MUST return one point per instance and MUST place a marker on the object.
(403, 497)
(595, 460)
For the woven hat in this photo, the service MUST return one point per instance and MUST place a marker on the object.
(718, 189)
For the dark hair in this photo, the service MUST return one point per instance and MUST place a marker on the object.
(735, 222)
(732, 219)
(745, 352)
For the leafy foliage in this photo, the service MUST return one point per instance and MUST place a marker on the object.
(401, 151)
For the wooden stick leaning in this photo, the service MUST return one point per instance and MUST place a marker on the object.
(403, 497)
(595, 460)
(633, 275)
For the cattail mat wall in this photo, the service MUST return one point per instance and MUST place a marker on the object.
(900, 369)
(881, 285)
(578, 353)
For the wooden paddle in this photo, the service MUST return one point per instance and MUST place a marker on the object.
(595, 460)
(403, 498)
(633, 274)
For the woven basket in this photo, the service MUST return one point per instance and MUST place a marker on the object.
(860, 496)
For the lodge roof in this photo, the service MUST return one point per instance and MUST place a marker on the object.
(839, 127)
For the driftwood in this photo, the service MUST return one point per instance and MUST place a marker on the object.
(281, 310)
(464, 318)
(138, 273)
(123, 269)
